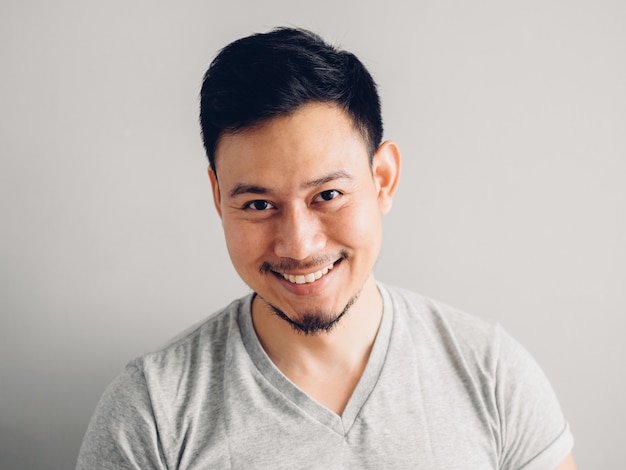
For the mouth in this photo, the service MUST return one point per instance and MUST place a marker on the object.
(307, 278)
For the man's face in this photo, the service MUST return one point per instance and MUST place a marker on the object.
(301, 209)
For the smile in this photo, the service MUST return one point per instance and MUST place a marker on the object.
(307, 278)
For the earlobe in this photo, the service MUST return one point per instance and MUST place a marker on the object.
(215, 187)
(386, 172)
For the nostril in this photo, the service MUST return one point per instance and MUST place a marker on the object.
(299, 243)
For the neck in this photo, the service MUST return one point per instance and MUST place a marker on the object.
(345, 347)
(326, 365)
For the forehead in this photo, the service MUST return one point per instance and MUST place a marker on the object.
(316, 138)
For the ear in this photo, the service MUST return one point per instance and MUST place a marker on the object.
(386, 173)
(217, 196)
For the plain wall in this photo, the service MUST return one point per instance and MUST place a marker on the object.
(511, 117)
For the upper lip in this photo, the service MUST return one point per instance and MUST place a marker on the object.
(329, 266)
(311, 276)
(289, 266)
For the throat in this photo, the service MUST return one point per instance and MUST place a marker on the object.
(328, 365)
(331, 387)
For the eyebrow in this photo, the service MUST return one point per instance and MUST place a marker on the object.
(335, 175)
(242, 188)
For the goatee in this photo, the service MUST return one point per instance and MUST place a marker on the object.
(313, 323)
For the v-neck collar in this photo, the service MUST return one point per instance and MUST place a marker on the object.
(340, 424)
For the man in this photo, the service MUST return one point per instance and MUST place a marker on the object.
(321, 366)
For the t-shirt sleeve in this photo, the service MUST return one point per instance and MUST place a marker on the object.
(122, 433)
(534, 433)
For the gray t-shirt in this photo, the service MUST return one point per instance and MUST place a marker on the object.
(441, 390)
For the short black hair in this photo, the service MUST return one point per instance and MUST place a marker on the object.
(267, 75)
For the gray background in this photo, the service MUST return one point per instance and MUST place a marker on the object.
(511, 117)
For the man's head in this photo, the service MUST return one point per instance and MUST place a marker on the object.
(293, 129)
(263, 76)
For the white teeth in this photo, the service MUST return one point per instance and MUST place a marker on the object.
(307, 278)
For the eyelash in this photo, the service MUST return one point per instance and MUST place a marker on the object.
(257, 201)
(318, 198)
(328, 191)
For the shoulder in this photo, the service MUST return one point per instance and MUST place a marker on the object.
(203, 341)
(195, 352)
(439, 327)
(491, 373)
(416, 305)
(429, 320)
(145, 410)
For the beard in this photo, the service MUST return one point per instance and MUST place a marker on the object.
(313, 323)
(310, 322)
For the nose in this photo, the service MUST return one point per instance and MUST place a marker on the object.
(299, 234)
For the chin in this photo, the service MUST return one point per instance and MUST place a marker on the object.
(313, 322)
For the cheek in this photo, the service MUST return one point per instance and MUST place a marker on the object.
(361, 227)
(243, 243)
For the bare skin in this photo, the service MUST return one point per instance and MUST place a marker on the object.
(567, 464)
(297, 196)
(325, 366)
(294, 204)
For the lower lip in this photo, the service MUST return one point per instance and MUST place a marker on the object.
(310, 288)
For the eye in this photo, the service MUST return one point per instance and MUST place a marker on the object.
(259, 205)
(327, 195)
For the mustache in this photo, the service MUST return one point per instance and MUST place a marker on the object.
(290, 264)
